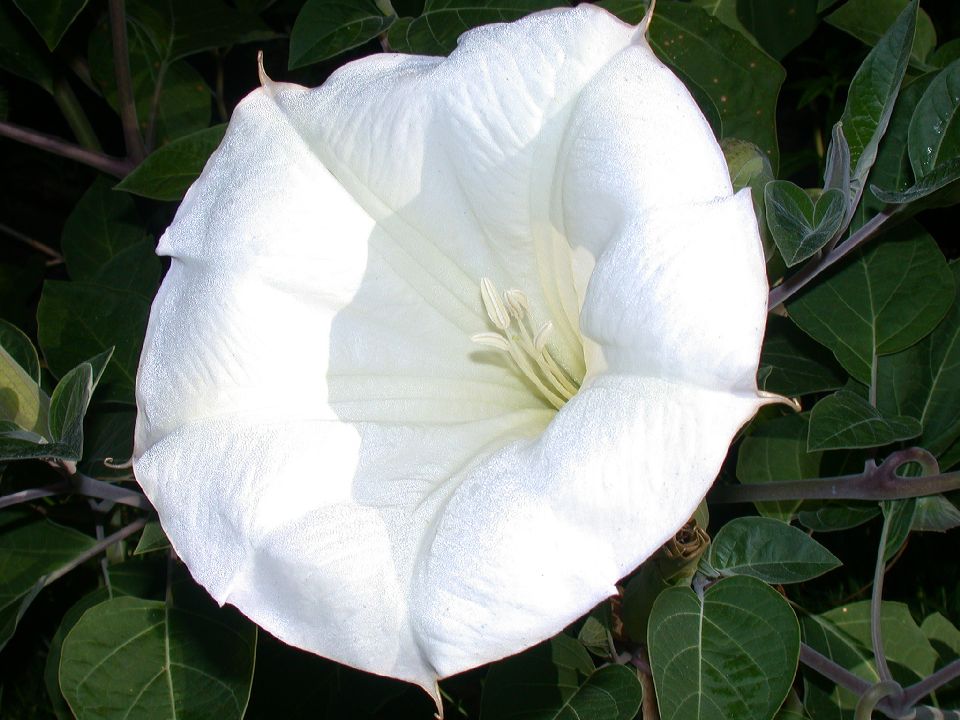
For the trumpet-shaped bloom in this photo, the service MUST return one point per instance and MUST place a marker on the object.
(449, 345)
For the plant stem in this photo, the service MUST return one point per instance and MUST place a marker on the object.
(830, 670)
(117, 167)
(121, 534)
(32, 494)
(81, 485)
(876, 598)
(876, 483)
(73, 113)
(793, 284)
(121, 65)
(55, 257)
(921, 689)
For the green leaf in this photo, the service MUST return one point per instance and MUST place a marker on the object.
(30, 549)
(325, 28)
(51, 18)
(777, 450)
(103, 242)
(943, 636)
(168, 172)
(934, 134)
(838, 515)
(898, 514)
(437, 28)
(110, 318)
(796, 365)
(935, 514)
(945, 54)
(145, 658)
(152, 539)
(769, 550)
(885, 298)
(21, 399)
(19, 54)
(836, 173)
(903, 641)
(595, 633)
(779, 26)
(873, 92)
(729, 77)
(726, 12)
(69, 403)
(923, 381)
(844, 420)
(936, 180)
(800, 227)
(868, 20)
(730, 654)
(556, 680)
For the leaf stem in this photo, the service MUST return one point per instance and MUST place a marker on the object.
(55, 257)
(73, 113)
(921, 689)
(95, 550)
(874, 483)
(33, 494)
(793, 284)
(118, 167)
(121, 65)
(81, 485)
(831, 670)
(876, 599)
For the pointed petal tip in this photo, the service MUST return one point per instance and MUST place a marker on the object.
(644, 27)
(769, 398)
(265, 80)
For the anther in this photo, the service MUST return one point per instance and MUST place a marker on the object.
(494, 306)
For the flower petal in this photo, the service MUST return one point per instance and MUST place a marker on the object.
(327, 448)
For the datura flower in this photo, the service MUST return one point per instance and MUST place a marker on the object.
(450, 345)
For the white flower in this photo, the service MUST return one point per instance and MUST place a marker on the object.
(336, 440)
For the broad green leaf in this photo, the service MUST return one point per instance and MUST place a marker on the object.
(104, 243)
(796, 364)
(873, 92)
(145, 658)
(799, 226)
(595, 633)
(30, 549)
(556, 680)
(837, 515)
(943, 636)
(20, 54)
(730, 654)
(779, 26)
(769, 550)
(776, 450)
(168, 172)
(108, 434)
(21, 349)
(69, 403)
(885, 298)
(945, 54)
(51, 18)
(934, 134)
(845, 420)
(731, 79)
(868, 20)
(940, 177)
(325, 28)
(935, 514)
(110, 318)
(21, 399)
(436, 29)
(180, 107)
(726, 12)
(923, 381)
(152, 539)
(903, 641)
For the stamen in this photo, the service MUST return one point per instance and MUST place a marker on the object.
(530, 353)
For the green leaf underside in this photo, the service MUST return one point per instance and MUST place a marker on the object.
(937, 179)
(769, 550)
(887, 297)
(144, 658)
(30, 548)
(168, 172)
(732, 655)
(776, 450)
(922, 381)
(152, 539)
(844, 420)
(873, 92)
(797, 365)
(111, 318)
(556, 680)
(934, 134)
(837, 515)
(799, 226)
(21, 399)
(325, 28)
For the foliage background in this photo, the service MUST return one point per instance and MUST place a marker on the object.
(77, 273)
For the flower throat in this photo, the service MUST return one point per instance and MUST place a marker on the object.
(508, 312)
